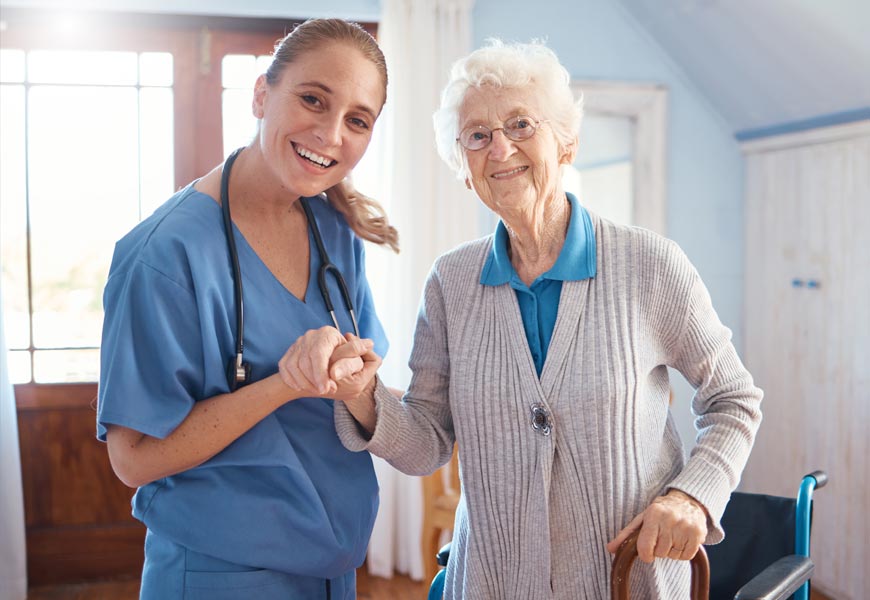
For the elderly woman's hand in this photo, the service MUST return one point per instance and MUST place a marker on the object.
(350, 381)
(321, 358)
(673, 526)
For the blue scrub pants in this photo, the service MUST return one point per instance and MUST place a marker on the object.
(173, 572)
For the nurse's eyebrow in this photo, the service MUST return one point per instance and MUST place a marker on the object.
(328, 90)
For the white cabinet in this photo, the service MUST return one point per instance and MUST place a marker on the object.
(807, 337)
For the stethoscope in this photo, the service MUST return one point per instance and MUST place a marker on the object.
(238, 371)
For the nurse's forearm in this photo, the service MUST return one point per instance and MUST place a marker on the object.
(212, 425)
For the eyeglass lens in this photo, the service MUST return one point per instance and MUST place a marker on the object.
(516, 128)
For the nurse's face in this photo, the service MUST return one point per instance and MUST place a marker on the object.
(316, 120)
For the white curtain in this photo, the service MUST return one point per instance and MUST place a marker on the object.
(433, 212)
(13, 568)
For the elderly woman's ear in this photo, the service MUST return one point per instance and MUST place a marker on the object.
(568, 153)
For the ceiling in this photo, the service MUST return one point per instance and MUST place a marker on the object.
(767, 64)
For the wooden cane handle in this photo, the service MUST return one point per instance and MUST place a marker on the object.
(627, 552)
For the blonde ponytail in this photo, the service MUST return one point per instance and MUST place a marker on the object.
(365, 216)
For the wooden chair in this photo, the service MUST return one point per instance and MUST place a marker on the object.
(440, 499)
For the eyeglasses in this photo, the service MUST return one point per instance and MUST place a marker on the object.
(519, 128)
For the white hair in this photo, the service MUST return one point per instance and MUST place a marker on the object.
(501, 65)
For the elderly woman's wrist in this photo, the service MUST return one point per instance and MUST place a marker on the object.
(363, 408)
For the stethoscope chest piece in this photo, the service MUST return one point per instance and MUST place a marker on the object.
(238, 373)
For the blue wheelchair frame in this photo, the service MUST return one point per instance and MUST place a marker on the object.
(803, 521)
(788, 575)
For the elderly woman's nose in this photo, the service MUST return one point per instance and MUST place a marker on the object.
(501, 147)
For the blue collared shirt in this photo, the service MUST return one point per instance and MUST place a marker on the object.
(539, 303)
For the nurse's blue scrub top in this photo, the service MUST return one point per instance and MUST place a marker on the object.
(286, 495)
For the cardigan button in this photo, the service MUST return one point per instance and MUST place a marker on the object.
(541, 421)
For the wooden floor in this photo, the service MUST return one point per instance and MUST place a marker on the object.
(368, 588)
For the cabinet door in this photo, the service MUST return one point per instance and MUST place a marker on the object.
(808, 341)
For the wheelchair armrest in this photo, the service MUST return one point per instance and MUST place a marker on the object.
(779, 580)
(443, 555)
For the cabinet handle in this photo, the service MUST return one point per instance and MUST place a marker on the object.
(797, 283)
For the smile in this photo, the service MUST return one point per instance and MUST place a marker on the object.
(320, 161)
(504, 174)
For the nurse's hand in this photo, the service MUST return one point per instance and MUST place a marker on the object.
(308, 365)
(673, 526)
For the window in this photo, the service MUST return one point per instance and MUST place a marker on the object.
(86, 152)
(101, 119)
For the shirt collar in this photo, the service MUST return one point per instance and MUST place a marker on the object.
(576, 261)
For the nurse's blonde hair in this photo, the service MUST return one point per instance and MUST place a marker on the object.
(366, 216)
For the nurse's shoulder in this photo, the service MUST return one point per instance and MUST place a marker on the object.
(182, 231)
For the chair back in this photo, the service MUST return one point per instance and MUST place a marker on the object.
(440, 498)
(759, 530)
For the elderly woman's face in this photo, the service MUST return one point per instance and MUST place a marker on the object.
(512, 175)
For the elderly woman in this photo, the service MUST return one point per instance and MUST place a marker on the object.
(543, 351)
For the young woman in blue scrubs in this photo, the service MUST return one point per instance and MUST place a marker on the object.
(249, 493)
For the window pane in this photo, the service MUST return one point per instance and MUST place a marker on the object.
(84, 195)
(155, 69)
(263, 63)
(239, 123)
(82, 67)
(13, 217)
(607, 190)
(12, 66)
(19, 366)
(66, 366)
(605, 140)
(239, 71)
(157, 177)
(602, 175)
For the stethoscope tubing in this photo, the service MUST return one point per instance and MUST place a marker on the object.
(238, 296)
(326, 267)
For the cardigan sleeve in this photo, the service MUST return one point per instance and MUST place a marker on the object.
(415, 433)
(726, 406)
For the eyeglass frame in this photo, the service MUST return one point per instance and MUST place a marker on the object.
(537, 125)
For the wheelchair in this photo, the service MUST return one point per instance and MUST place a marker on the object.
(765, 554)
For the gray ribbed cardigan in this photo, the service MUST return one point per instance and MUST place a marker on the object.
(537, 511)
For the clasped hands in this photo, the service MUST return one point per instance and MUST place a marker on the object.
(673, 526)
(329, 364)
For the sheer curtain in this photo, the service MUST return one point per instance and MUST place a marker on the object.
(433, 212)
(13, 570)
